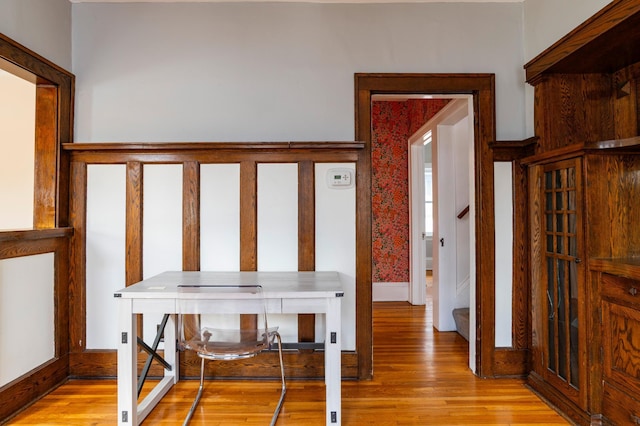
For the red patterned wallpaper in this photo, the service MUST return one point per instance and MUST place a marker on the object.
(393, 122)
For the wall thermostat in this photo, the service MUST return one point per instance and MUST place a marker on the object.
(340, 178)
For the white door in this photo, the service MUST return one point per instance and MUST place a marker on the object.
(452, 233)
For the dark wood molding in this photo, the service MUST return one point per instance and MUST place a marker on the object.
(46, 149)
(306, 238)
(30, 386)
(482, 88)
(35, 234)
(134, 222)
(605, 43)
(77, 256)
(191, 213)
(248, 216)
(103, 364)
(54, 126)
(513, 150)
(161, 147)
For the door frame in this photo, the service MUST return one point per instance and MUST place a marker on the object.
(482, 88)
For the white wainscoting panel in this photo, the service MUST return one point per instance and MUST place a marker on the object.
(106, 214)
(220, 217)
(278, 229)
(162, 228)
(26, 314)
(336, 244)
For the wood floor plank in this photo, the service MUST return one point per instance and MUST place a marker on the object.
(420, 377)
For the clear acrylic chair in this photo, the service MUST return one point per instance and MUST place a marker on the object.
(209, 324)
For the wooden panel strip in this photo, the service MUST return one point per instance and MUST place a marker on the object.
(78, 256)
(248, 216)
(46, 148)
(521, 289)
(248, 226)
(191, 216)
(134, 221)
(306, 238)
(134, 225)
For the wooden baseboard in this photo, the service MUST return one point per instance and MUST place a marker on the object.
(99, 364)
(23, 391)
(511, 363)
(556, 400)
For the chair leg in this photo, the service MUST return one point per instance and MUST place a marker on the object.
(198, 396)
(274, 419)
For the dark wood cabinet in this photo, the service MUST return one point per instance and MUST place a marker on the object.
(620, 310)
(559, 315)
(584, 220)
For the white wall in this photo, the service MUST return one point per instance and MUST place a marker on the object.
(17, 138)
(44, 26)
(264, 72)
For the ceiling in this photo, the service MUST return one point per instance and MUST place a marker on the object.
(299, 1)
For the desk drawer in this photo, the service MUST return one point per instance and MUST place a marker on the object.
(304, 306)
(623, 289)
(619, 407)
(154, 306)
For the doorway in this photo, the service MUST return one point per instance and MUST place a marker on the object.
(480, 88)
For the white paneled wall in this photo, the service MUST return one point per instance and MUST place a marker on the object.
(278, 230)
(503, 178)
(277, 217)
(162, 228)
(220, 217)
(220, 235)
(106, 213)
(26, 314)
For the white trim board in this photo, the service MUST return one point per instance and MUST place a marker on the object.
(390, 292)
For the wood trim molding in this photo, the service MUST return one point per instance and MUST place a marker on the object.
(54, 126)
(513, 150)
(157, 147)
(191, 210)
(594, 46)
(35, 234)
(482, 87)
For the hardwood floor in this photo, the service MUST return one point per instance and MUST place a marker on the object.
(420, 377)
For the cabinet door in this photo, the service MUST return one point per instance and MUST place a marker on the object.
(562, 278)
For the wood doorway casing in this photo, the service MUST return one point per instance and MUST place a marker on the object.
(482, 88)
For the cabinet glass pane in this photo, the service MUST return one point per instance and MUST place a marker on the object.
(571, 178)
(548, 181)
(571, 204)
(573, 318)
(559, 201)
(562, 324)
(561, 230)
(551, 299)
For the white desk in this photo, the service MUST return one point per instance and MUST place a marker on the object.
(287, 293)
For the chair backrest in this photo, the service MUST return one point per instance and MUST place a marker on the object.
(223, 321)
